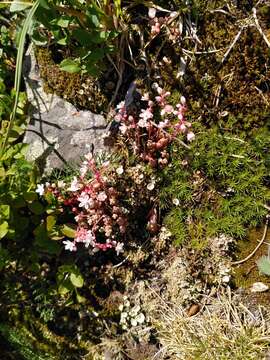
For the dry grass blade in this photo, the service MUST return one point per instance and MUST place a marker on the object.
(226, 329)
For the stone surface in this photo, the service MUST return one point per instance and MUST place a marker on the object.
(57, 133)
(259, 287)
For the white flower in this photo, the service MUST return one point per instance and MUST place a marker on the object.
(143, 123)
(123, 129)
(120, 170)
(61, 184)
(90, 239)
(146, 114)
(74, 186)
(145, 97)
(124, 315)
(69, 245)
(102, 196)
(121, 105)
(190, 136)
(135, 311)
(163, 124)
(176, 201)
(140, 318)
(119, 248)
(83, 170)
(40, 189)
(133, 322)
(183, 100)
(152, 13)
(85, 200)
(173, 13)
(151, 186)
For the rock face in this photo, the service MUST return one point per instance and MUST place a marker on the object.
(58, 133)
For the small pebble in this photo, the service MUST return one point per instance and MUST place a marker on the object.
(259, 287)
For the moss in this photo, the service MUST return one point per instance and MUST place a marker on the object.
(222, 189)
(247, 273)
(81, 90)
(235, 93)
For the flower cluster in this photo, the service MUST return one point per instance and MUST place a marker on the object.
(148, 139)
(130, 315)
(156, 22)
(104, 199)
(97, 210)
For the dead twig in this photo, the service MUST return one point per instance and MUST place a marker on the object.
(232, 45)
(256, 21)
(256, 248)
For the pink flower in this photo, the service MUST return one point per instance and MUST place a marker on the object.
(85, 201)
(102, 196)
(146, 114)
(74, 186)
(190, 136)
(81, 235)
(123, 129)
(168, 109)
(143, 123)
(155, 29)
(152, 13)
(163, 124)
(83, 169)
(90, 239)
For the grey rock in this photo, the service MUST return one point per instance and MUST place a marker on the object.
(58, 133)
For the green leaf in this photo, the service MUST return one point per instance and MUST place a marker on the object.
(70, 66)
(264, 265)
(69, 230)
(62, 41)
(19, 5)
(3, 229)
(80, 299)
(50, 222)
(76, 280)
(63, 21)
(4, 212)
(44, 4)
(30, 195)
(38, 39)
(2, 172)
(100, 37)
(4, 257)
(84, 37)
(65, 287)
(95, 56)
(92, 70)
(18, 202)
(43, 241)
(36, 207)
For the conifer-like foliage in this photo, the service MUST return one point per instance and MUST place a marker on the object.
(219, 186)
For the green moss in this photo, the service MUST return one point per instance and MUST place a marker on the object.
(81, 90)
(247, 273)
(222, 189)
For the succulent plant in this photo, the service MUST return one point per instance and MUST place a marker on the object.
(264, 265)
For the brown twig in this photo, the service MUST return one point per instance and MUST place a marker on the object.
(256, 21)
(256, 248)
